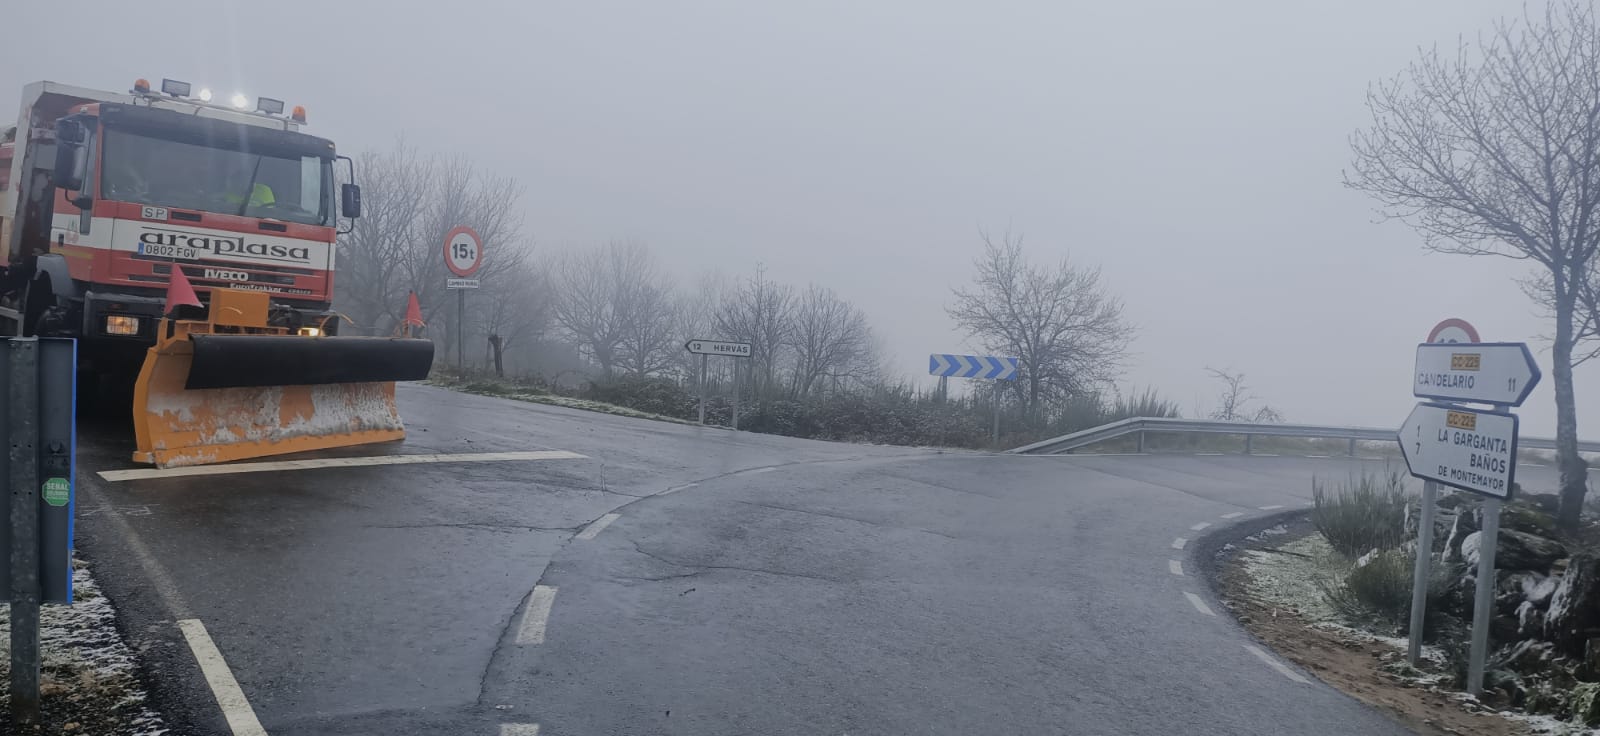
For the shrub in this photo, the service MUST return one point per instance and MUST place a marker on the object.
(1379, 589)
(1365, 514)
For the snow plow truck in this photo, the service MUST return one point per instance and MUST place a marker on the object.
(107, 195)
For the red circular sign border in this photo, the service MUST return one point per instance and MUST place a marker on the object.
(449, 236)
(1433, 334)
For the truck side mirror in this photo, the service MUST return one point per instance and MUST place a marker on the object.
(350, 200)
(72, 155)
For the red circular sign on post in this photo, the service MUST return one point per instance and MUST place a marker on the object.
(463, 251)
(1453, 330)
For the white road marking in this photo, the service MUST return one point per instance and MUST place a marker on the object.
(759, 470)
(1320, 457)
(519, 729)
(336, 462)
(1179, 542)
(1199, 605)
(537, 615)
(1273, 662)
(235, 708)
(1266, 454)
(675, 489)
(1273, 507)
(597, 526)
(1233, 515)
(1201, 525)
(1209, 454)
(1175, 567)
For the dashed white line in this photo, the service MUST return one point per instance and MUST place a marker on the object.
(598, 525)
(537, 614)
(1175, 567)
(1199, 605)
(1273, 507)
(1320, 457)
(1273, 662)
(675, 489)
(1179, 542)
(1233, 515)
(1201, 525)
(759, 470)
(235, 707)
(336, 462)
(1209, 454)
(519, 729)
(1266, 454)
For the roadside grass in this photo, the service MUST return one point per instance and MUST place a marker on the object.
(509, 390)
(1363, 514)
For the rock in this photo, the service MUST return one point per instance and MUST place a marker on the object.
(1549, 503)
(1530, 620)
(1540, 593)
(1503, 628)
(1585, 701)
(1529, 519)
(1516, 551)
(1546, 698)
(1591, 657)
(1574, 614)
(1452, 501)
(1461, 525)
(1507, 682)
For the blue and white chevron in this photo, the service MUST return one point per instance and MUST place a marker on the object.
(972, 366)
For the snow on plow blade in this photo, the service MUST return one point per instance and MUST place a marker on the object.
(216, 398)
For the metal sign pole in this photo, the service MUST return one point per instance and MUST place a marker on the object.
(702, 389)
(24, 478)
(1420, 575)
(997, 414)
(1482, 607)
(461, 333)
(736, 394)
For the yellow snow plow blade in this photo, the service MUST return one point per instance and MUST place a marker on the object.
(232, 387)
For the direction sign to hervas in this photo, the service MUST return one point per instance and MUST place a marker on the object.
(1471, 449)
(1482, 372)
(718, 347)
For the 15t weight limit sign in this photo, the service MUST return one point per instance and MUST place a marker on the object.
(1471, 449)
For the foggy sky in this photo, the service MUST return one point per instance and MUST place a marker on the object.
(1193, 150)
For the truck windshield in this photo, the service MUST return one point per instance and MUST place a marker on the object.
(167, 173)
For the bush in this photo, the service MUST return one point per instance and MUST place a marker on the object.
(1365, 514)
(1378, 588)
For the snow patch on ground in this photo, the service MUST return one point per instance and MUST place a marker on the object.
(90, 683)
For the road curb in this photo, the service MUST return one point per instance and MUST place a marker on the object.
(1204, 550)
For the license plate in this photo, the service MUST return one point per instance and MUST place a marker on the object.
(169, 251)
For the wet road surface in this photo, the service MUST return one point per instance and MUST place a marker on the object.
(654, 578)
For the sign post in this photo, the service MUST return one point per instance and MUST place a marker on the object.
(1474, 450)
(707, 348)
(36, 539)
(463, 255)
(945, 365)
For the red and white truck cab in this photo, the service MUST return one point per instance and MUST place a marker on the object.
(149, 181)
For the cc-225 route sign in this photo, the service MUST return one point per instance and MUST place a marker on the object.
(1480, 372)
(1471, 449)
(463, 251)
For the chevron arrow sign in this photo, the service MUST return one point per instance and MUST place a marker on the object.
(972, 366)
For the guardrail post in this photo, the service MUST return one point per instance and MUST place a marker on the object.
(1249, 443)
(1141, 442)
(1352, 452)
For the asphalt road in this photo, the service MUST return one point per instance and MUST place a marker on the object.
(746, 584)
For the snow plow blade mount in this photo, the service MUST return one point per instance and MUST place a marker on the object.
(232, 387)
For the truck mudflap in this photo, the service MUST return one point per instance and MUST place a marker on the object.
(211, 392)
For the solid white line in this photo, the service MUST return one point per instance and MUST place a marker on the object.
(1199, 605)
(1209, 454)
(1175, 567)
(235, 708)
(1273, 507)
(1233, 515)
(1179, 542)
(1273, 662)
(675, 489)
(1201, 525)
(1266, 454)
(598, 525)
(536, 615)
(519, 729)
(336, 462)
(759, 470)
(1321, 457)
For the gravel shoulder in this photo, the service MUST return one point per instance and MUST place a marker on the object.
(1266, 575)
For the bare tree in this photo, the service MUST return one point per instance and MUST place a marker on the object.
(761, 313)
(1233, 402)
(831, 341)
(1494, 149)
(1062, 324)
(514, 307)
(615, 303)
(395, 186)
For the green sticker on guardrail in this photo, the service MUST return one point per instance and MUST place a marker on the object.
(57, 491)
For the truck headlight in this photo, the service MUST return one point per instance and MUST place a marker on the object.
(311, 331)
(121, 324)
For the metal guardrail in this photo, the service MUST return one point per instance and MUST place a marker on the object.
(1139, 426)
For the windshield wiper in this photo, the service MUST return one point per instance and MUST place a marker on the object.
(250, 187)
